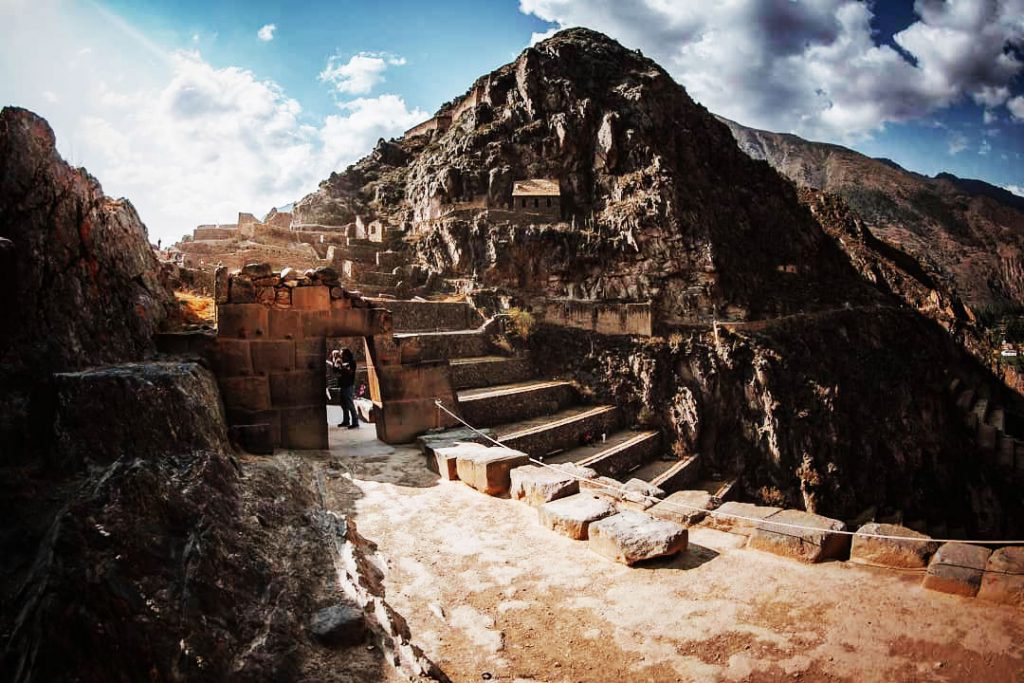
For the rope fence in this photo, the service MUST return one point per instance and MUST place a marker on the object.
(682, 507)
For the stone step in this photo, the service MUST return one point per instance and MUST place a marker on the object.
(378, 278)
(564, 429)
(621, 452)
(488, 406)
(488, 371)
(427, 346)
(679, 476)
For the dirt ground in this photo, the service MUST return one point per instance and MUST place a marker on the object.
(489, 594)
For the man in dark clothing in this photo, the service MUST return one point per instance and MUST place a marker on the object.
(348, 391)
(335, 373)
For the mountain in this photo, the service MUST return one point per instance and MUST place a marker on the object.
(966, 234)
(782, 354)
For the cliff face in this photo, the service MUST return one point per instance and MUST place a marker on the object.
(967, 235)
(84, 285)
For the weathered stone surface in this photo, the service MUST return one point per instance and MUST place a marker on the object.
(630, 537)
(253, 438)
(638, 495)
(685, 508)
(82, 286)
(231, 357)
(957, 568)
(536, 485)
(312, 298)
(241, 291)
(285, 323)
(910, 554)
(1003, 580)
(603, 486)
(816, 543)
(242, 321)
(338, 625)
(257, 270)
(487, 468)
(164, 407)
(573, 515)
(245, 393)
(299, 388)
(304, 428)
(729, 516)
(272, 356)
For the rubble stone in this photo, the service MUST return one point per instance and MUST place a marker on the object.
(1003, 580)
(338, 625)
(911, 554)
(638, 494)
(630, 537)
(538, 485)
(487, 468)
(957, 568)
(685, 508)
(572, 516)
(816, 544)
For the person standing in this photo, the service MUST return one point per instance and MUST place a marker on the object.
(348, 390)
(335, 373)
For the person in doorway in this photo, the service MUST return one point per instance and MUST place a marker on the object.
(335, 373)
(348, 395)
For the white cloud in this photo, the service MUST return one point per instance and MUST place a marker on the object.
(187, 142)
(984, 148)
(957, 142)
(814, 68)
(266, 33)
(1016, 189)
(361, 73)
(1016, 107)
(989, 117)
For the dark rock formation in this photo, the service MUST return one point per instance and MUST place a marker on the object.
(84, 285)
(819, 385)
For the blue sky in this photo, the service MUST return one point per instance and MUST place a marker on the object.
(196, 110)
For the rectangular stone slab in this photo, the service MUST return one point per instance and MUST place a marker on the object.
(487, 468)
(445, 461)
(817, 543)
(536, 485)
(741, 526)
(887, 552)
(957, 568)
(572, 516)
(638, 495)
(1003, 580)
(685, 508)
(630, 537)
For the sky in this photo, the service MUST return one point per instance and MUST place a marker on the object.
(196, 110)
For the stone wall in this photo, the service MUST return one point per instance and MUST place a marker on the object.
(270, 353)
(430, 125)
(215, 232)
(603, 318)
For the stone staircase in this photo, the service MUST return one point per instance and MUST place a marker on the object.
(543, 417)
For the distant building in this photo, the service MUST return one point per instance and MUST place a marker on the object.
(538, 196)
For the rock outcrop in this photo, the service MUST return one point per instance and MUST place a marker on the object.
(84, 284)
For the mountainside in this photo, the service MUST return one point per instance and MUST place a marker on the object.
(785, 353)
(967, 235)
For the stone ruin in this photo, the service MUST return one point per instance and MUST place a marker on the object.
(270, 352)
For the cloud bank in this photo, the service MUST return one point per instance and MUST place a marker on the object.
(814, 68)
(361, 73)
(266, 33)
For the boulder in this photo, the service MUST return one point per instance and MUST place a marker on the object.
(630, 537)
(1003, 580)
(573, 515)
(736, 517)
(637, 495)
(908, 554)
(816, 541)
(338, 625)
(537, 485)
(606, 487)
(683, 507)
(486, 468)
(957, 568)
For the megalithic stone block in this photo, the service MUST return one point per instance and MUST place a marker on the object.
(1003, 580)
(231, 358)
(487, 468)
(957, 568)
(272, 356)
(311, 298)
(242, 321)
(630, 537)
(816, 542)
(572, 516)
(245, 393)
(887, 552)
(299, 388)
(285, 324)
(304, 428)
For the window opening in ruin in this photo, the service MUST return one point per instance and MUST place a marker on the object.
(523, 205)
(549, 202)
(536, 202)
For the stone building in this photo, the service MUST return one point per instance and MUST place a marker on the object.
(537, 196)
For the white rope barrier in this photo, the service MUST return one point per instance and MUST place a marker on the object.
(682, 507)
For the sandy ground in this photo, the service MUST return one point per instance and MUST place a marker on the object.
(491, 595)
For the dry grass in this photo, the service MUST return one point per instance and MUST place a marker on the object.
(196, 309)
